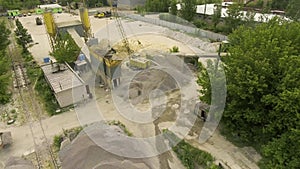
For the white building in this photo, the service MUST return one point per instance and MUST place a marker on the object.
(209, 10)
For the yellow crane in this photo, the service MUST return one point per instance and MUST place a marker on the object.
(114, 9)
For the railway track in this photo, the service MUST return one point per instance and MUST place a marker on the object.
(30, 107)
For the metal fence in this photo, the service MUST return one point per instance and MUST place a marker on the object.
(187, 29)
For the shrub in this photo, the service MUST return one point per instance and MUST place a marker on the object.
(174, 49)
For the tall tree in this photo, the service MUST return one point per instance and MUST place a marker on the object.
(283, 152)
(23, 37)
(293, 10)
(173, 7)
(263, 89)
(255, 74)
(157, 5)
(4, 64)
(188, 9)
(233, 20)
(65, 49)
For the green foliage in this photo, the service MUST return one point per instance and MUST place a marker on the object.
(45, 93)
(217, 15)
(19, 4)
(234, 17)
(65, 49)
(188, 9)
(293, 9)
(263, 90)
(23, 37)
(57, 140)
(190, 156)
(4, 65)
(173, 7)
(174, 49)
(283, 152)
(141, 10)
(4, 35)
(157, 5)
(280, 4)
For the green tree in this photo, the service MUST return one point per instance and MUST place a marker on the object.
(283, 152)
(4, 35)
(4, 64)
(173, 7)
(263, 89)
(217, 15)
(23, 37)
(293, 9)
(188, 9)
(233, 20)
(65, 49)
(279, 4)
(157, 5)
(11, 4)
(255, 74)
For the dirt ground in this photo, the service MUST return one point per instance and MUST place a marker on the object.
(151, 38)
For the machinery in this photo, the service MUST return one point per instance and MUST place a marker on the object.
(38, 21)
(102, 14)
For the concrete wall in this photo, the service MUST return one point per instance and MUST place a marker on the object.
(71, 96)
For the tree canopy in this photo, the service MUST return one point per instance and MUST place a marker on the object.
(188, 9)
(18, 4)
(23, 37)
(4, 64)
(65, 49)
(263, 88)
(157, 5)
(293, 9)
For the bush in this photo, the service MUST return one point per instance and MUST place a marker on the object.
(174, 49)
(190, 156)
(199, 23)
(58, 139)
(46, 94)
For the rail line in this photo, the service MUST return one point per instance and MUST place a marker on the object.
(27, 96)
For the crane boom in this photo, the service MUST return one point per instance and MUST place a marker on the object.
(120, 27)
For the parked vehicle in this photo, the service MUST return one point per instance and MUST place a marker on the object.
(38, 21)
(102, 14)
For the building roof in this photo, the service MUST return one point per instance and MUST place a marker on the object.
(210, 8)
(61, 80)
(49, 6)
(68, 23)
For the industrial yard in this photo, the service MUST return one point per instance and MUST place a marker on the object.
(99, 90)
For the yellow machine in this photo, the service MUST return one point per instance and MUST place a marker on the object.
(84, 16)
(50, 27)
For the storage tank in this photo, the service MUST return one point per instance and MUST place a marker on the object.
(50, 25)
(84, 16)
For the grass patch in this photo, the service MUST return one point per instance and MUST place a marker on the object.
(69, 133)
(189, 156)
(46, 94)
